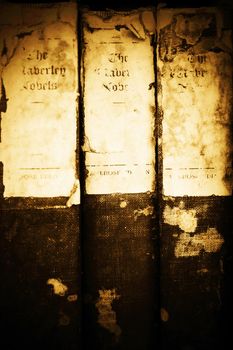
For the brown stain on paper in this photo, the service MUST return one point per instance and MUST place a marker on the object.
(190, 244)
(146, 212)
(58, 287)
(107, 317)
(184, 218)
(209, 242)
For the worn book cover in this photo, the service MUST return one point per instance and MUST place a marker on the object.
(194, 91)
(119, 254)
(39, 242)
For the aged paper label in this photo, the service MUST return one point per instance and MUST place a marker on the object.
(119, 103)
(195, 97)
(39, 100)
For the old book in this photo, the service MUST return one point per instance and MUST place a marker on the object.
(40, 260)
(194, 60)
(119, 255)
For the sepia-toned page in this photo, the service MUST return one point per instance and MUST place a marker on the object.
(38, 71)
(195, 99)
(119, 101)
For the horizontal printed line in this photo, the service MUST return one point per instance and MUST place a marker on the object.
(119, 103)
(37, 102)
(39, 168)
(190, 169)
(106, 165)
(114, 164)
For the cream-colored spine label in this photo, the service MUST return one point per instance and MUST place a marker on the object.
(118, 94)
(195, 97)
(38, 72)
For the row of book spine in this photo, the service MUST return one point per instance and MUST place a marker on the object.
(120, 235)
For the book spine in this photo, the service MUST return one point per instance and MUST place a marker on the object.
(40, 297)
(119, 161)
(194, 59)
